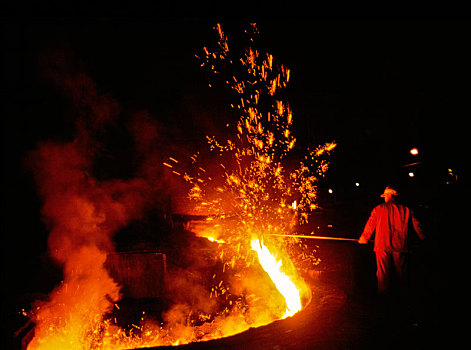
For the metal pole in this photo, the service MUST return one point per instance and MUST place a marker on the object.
(316, 237)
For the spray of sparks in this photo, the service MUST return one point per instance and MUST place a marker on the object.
(257, 190)
(254, 191)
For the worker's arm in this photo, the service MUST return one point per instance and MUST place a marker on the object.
(417, 226)
(369, 228)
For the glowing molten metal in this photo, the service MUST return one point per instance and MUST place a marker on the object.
(282, 281)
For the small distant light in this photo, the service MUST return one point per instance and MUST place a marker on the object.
(414, 151)
(294, 205)
(330, 226)
(330, 191)
(411, 174)
(357, 184)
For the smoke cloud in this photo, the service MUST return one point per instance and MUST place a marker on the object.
(83, 212)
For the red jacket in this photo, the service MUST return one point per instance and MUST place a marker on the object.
(391, 222)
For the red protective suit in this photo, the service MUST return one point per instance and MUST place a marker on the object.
(391, 222)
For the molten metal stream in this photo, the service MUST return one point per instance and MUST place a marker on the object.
(283, 283)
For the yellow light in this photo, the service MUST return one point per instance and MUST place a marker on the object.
(330, 191)
(411, 174)
(414, 151)
(357, 184)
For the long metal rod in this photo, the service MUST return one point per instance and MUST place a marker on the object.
(316, 237)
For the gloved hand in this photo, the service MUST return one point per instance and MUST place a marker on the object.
(362, 240)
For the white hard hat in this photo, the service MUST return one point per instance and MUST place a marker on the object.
(391, 191)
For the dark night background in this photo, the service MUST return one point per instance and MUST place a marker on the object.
(377, 84)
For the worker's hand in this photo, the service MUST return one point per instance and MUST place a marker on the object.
(362, 240)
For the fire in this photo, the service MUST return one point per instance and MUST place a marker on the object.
(282, 281)
(247, 190)
(74, 318)
(212, 239)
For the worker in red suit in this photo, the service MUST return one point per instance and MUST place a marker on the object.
(391, 221)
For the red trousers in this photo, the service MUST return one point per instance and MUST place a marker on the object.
(387, 263)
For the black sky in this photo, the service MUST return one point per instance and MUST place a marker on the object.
(377, 86)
